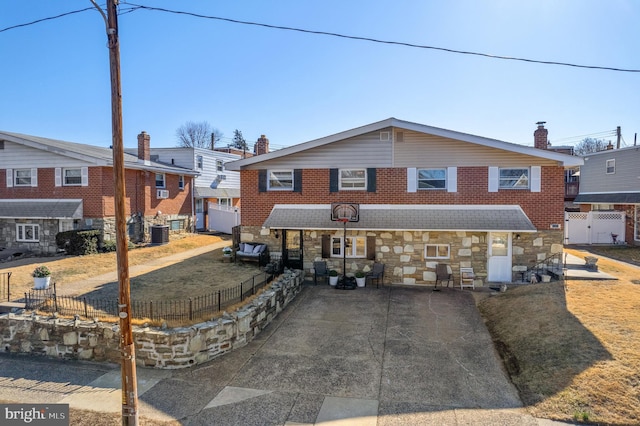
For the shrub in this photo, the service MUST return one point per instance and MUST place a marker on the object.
(109, 246)
(333, 273)
(79, 242)
(359, 274)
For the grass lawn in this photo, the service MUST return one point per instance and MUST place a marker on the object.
(573, 348)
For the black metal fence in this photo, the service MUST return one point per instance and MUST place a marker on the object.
(192, 309)
(5, 286)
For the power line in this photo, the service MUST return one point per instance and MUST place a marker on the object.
(45, 19)
(331, 34)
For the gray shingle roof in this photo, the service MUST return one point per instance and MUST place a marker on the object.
(402, 217)
(41, 209)
(206, 192)
(622, 198)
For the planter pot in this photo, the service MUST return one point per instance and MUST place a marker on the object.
(41, 283)
(333, 280)
(361, 281)
(546, 278)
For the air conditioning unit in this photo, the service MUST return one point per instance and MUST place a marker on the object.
(162, 193)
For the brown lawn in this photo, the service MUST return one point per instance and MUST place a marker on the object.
(573, 350)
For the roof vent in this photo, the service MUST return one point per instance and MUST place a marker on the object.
(399, 136)
(384, 136)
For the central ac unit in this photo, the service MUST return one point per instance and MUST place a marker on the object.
(162, 193)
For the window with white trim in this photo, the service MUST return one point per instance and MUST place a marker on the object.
(219, 166)
(224, 202)
(280, 180)
(72, 177)
(355, 247)
(437, 251)
(611, 166)
(160, 180)
(27, 232)
(512, 178)
(601, 207)
(353, 179)
(199, 162)
(181, 182)
(22, 177)
(432, 178)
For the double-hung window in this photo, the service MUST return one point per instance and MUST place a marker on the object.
(511, 178)
(27, 232)
(611, 166)
(160, 180)
(199, 162)
(181, 182)
(280, 180)
(22, 177)
(432, 178)
(436, 251)
(353, 179)
(219, 165)
(72, 177)
(349, 247)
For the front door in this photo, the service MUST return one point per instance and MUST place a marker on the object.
(499, 263)
(292, 249)
(200, 225)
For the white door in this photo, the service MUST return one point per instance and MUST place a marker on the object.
(499, 263)
(199, 214)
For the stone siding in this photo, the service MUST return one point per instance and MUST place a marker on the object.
(168, 349)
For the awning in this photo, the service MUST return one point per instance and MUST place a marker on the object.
(206, 192)
(381, 217)
(41, 209)
(628, 198)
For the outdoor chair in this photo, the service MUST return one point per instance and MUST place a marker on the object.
(443, 274)
(467, 278)
(320, 270)
(377, 273)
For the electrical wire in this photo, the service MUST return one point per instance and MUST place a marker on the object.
(13, 27)
(332, 34)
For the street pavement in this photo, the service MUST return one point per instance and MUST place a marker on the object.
(370, 356)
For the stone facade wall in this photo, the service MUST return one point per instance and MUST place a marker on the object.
(403, 252)
(46, 245)
(169, 349)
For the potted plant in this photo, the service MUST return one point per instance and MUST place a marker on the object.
(41, 278)
(226, 251)
(333, 277)
(360, 278)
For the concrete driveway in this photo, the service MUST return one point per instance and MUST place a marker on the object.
(388, 356)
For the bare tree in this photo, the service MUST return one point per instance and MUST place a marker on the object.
(589, 145)
(197, 135)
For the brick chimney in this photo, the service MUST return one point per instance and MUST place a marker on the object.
(261, 146)
(144, 148)
(540, 140)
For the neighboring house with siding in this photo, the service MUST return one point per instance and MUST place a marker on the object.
(610, 182)
(425, 195)
(48, 186)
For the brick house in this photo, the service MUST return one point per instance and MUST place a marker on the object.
(48, 186)
(610, 194)
(424, 195)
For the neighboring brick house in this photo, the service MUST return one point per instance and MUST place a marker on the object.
(425, 195)
(48, 186)
(610, 190)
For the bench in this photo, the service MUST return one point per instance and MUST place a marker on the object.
(253, 252)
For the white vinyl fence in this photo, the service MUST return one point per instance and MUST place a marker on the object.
(595, 227)
(223, 218)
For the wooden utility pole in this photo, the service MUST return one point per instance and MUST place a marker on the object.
(127, 347)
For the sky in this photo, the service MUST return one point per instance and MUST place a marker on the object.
(295, 87)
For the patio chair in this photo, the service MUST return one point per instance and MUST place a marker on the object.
(442, 274)
(320, 270)
(377, 273)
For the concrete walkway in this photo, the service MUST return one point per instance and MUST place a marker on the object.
(388, 356)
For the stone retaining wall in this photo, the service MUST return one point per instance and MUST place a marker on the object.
(170, 348)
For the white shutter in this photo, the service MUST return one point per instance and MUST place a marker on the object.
(493, 179)
(34, 177)
(536, 178)
(9, 178)
(412, 179)
(58, 177)
(452, 179)
(84, 172)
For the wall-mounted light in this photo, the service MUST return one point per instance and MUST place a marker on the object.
(517, 237)
(276, 234)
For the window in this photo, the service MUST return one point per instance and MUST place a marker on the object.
(611, 166)
(637, 224)
(514, 178)
(22, 177)
(176, 225)
(219, 166)
(280, 180)
(72, 177)
(436, 251)
(181, 182)
(432, 178)
(353, 179)
(68, 224)
(159, 180)
(602, 207)
(225, 202)
(27, 232)
(199, 162)
(355, 247)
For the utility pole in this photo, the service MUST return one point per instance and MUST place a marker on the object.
(127, 347)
